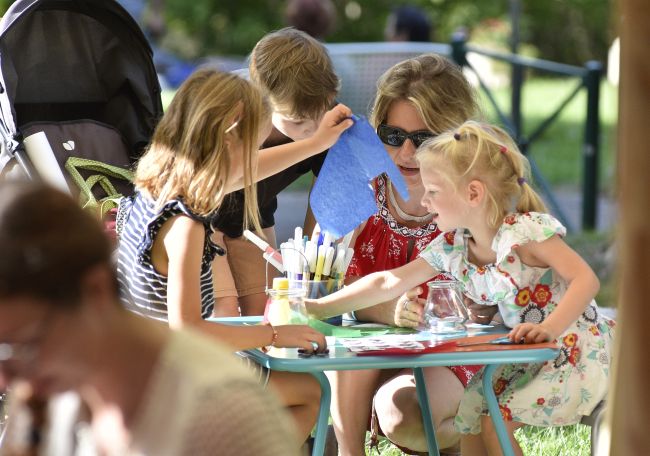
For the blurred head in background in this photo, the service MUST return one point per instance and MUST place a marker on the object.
(314, 17)
(408, 23)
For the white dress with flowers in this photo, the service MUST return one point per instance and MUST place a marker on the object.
(553, 393)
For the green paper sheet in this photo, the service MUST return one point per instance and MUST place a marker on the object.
(351, 332)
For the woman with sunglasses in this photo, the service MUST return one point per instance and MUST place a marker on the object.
(416, 99)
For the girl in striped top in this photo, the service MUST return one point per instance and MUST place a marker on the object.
(205, 147)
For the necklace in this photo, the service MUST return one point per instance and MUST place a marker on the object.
(403, 215)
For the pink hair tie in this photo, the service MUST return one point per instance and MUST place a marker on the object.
(503, 149)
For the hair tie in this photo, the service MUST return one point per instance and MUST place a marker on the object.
(521, 180)
(503, 149)
(457, 136)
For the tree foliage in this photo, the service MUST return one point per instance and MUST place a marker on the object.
(569, 31)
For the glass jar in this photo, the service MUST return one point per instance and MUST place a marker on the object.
(315, 289)
(445, 310)
(285, 306)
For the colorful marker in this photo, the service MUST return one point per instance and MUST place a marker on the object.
(270, 254)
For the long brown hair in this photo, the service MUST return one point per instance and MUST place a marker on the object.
(189, 155)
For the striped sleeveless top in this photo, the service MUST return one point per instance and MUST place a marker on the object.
(143, 290)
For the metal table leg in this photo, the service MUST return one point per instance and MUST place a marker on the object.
(423, 399)
(323, 414)
(495, 412)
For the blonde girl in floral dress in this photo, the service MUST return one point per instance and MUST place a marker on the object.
(503, 248)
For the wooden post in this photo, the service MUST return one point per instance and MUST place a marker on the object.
(628, 416)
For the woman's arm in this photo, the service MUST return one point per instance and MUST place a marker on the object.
(372, 289)
(183, 242)
(582, 287)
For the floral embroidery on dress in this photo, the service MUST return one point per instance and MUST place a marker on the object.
(367, 250)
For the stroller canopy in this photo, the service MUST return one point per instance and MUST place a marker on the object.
(65, 60)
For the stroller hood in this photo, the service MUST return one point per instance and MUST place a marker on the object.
(64, 60)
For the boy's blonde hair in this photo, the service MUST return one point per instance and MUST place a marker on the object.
(189, 155)
(435, 85)
(296, 72)
(479, 151)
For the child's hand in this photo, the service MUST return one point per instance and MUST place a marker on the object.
(300, 336)
(409, 309)
(335, 121)
(531, 333)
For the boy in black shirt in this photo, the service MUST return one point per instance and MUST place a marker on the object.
(297, 75)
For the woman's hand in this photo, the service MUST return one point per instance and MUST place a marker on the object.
(480, 313)
(334, 122)
(300, 336)
(409, 309)
(531, 333)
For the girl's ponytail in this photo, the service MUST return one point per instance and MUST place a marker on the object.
(529, 199)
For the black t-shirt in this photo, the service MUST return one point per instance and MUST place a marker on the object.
(229, 219)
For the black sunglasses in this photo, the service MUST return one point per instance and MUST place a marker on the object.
(395, 137)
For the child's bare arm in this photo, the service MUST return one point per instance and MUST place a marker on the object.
(582, 287)
(383, 312)
(183, 242)
(275, 159)
(372, 289)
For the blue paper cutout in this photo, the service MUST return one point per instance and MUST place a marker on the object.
(343, 196)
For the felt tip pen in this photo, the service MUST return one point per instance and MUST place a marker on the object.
(286, 257)
(339, 262)
(327, 239)
(272, 258)
(320, 262)
(311, 253)
(329, 257)
(270, 254)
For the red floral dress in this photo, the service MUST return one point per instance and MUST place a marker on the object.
(554, 393)
(383, 245)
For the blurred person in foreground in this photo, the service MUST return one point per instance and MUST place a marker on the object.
(89, 377)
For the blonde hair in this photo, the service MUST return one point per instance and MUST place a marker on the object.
(189, 155)
(296, 72)
(479, 151)
(435, 85)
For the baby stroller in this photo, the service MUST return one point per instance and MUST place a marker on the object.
(76, 77)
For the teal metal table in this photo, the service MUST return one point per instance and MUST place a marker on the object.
(340, 358)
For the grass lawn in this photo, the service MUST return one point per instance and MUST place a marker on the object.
(557, 441)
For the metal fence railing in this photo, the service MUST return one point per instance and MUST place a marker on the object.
(588, 78)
